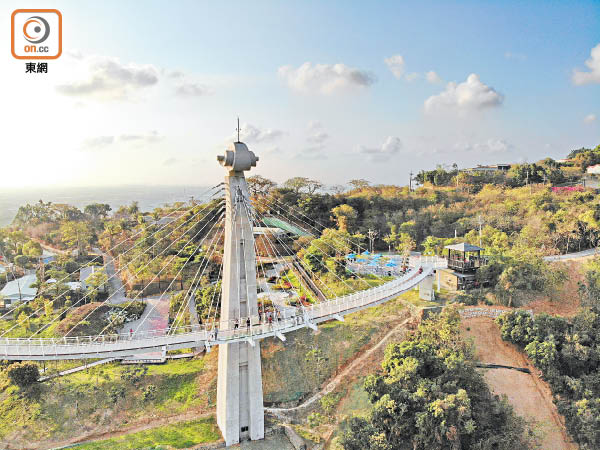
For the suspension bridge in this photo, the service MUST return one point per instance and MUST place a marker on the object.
(236, 320)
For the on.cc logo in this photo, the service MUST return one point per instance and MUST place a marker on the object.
(36, 29)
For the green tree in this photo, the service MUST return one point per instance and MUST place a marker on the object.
(429, 396)
(23, 374)
(95, 282)
(345, 215)
(32, 249)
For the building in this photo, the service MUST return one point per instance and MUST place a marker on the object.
(85, 273)
(272, 241)
(595, 169)
(19, 290)
(488, 168)
(463, 262)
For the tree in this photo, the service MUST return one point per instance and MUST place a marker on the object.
(76, 234)
(296, 184)
(359, 184)
(345, 215)
(21, 260)
(392, 237)
(97, 210)
(429, 396)
(405, 243)
(258, 185)
(95, 282)
(23, 374)
(32, 249)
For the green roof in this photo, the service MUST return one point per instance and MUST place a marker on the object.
(285, 226)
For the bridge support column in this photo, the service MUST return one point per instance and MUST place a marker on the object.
(240, 413)
(426, 289)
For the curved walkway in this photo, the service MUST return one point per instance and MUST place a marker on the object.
(127, 345)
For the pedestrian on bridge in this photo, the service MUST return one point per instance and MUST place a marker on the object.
(248, 323)
(236, 324)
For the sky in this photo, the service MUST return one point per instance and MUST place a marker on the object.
(148, 92)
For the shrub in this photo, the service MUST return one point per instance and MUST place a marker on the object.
(23, 374)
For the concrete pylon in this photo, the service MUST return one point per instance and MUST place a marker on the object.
(426, 289)
(240, 413)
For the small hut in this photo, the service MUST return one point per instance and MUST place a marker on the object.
(465, 257)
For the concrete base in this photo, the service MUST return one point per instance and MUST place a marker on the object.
(426, 289)
(240, 412)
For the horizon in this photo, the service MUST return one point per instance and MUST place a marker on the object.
(332, 91)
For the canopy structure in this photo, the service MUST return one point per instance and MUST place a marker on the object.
(351, 255)
(464, 247)
(459, 260)
(391, 264)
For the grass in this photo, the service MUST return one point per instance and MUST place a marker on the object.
(356, 402)
(287, 374)
(179, 435)
(81, 402)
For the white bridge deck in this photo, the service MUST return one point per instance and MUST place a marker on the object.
(187, 337)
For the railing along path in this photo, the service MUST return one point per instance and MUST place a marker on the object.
(116, 345)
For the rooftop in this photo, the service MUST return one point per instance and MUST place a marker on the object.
(20, 289)
(464, 247)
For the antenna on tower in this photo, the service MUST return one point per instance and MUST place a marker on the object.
(238, 129)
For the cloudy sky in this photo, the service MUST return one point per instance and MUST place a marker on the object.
(148, 92)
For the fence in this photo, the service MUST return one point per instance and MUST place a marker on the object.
(493, 313)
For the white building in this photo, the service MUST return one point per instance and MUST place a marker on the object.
(19, 290)
(595, 170)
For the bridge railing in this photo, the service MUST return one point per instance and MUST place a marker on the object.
(286, 322)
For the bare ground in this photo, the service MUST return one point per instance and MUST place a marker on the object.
(530, 396)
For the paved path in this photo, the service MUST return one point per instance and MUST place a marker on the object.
(154, 317)
(77, 369)
(569, 256)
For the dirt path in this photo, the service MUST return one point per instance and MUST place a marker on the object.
(350, 370)
(527, 393)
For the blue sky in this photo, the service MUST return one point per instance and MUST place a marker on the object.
(311, 85)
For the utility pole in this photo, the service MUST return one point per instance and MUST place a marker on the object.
(410, 182)
(372, 234)
(479, 219)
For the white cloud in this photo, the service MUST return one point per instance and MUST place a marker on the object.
(109, 79)
(325, 78)
(390, 147)
(396, 65)
(190, 89)
(136, 140)
(590, 118)
(491, 146)
(471, 94)
(148, 138)
(250, 133)
(99, 142)
(432, 77)
(412, 76)
(593, 63)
